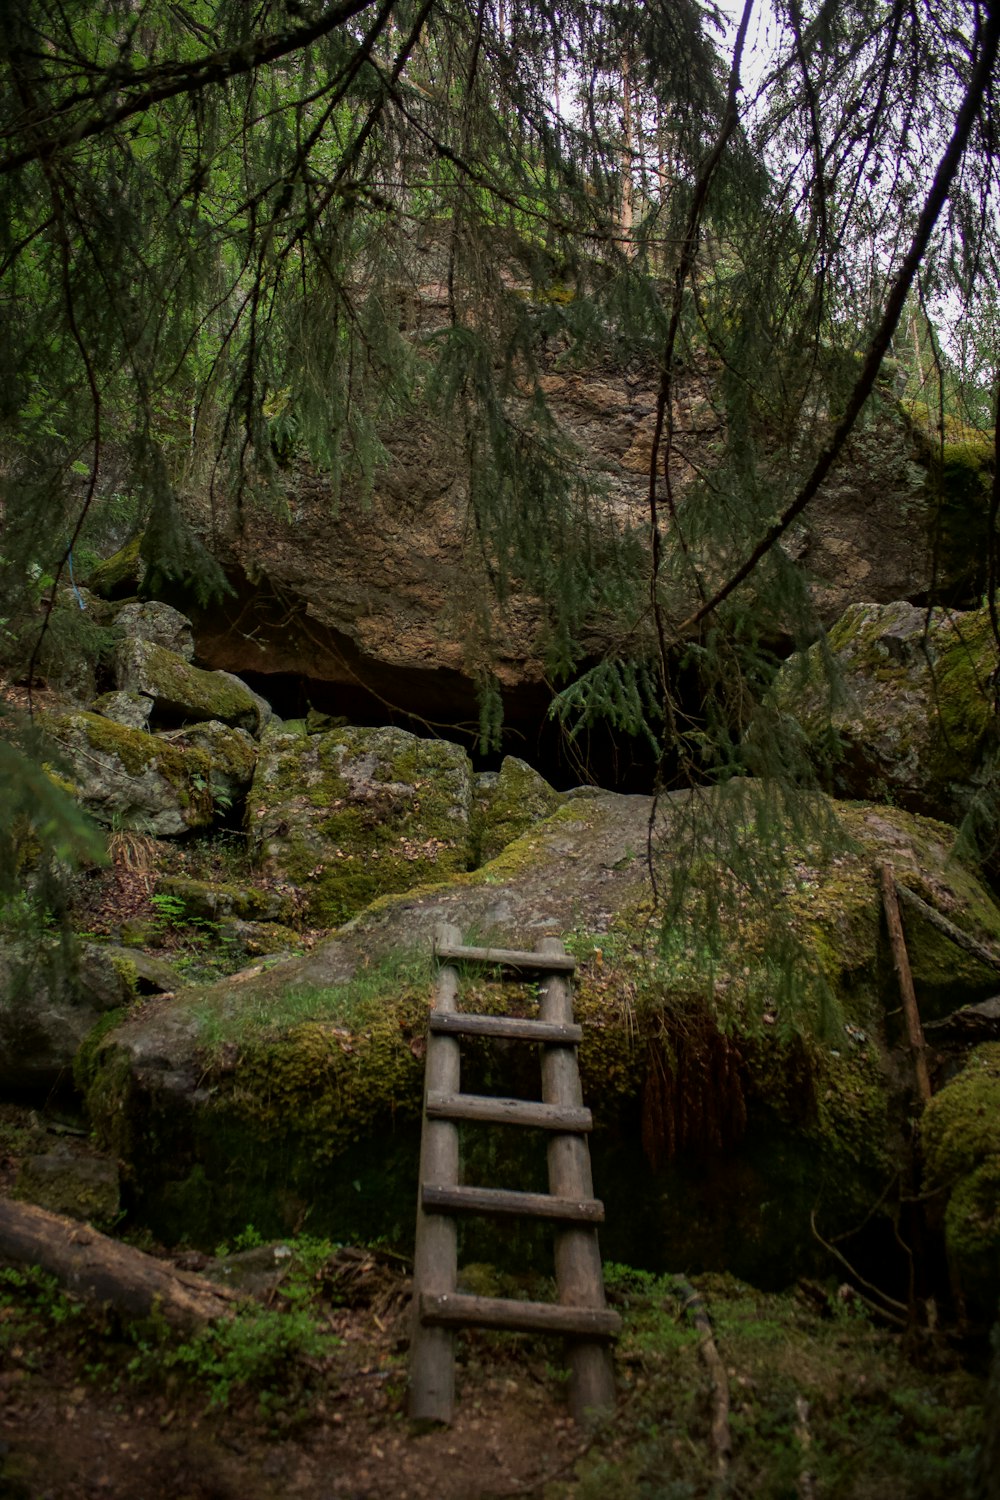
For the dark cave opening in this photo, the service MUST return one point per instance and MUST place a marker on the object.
(599, 756)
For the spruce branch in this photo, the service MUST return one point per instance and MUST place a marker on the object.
(976, 95)
(138, 89)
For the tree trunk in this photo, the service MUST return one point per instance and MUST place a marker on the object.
(106, 1273)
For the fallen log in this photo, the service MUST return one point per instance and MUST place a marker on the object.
(720, 1432)
(986, 955)
(105, 1273)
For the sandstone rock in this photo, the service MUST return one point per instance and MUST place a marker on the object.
(390, 592)
(182, 692)
(507, 802)
(134, 780)
(355, 813)
(150, 620)
(911, 714)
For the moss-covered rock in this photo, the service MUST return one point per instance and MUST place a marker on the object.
(506, 803)
(959, 481)
(232, 757)
(908, 715)
(743, 1092)
(961, 1140)
(119, 576)
(133, 779)
(181, 692)
(214, 900)
(354, 813)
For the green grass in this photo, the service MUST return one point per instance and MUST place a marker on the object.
(272, 1010)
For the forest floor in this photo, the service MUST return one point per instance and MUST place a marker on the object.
(304, 1393)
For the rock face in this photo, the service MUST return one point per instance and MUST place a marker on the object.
(391, 591)
(351, 814)
(910, 715)
(312, 1105)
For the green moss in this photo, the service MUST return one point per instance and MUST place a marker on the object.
(350, 815)
(118, 577)
(961, 1126)
(89, 1059)
(127, 972)
(960, 1133)
(509, 805)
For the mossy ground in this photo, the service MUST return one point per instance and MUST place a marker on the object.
(304, 1393)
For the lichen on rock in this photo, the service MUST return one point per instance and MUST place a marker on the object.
(349, 815)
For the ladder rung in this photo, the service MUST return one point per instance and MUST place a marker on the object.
(476, 1200)
(508, 1112)
(507, 958)
(454, 1310)
(520, 1030)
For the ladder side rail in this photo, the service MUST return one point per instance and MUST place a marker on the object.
(435, 1259)
(579, 1274)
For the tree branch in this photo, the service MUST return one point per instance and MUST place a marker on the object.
(149, 86)
(972, 103)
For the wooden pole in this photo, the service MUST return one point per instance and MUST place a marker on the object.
(900, 958)
(435, 1260)
(577, 1253)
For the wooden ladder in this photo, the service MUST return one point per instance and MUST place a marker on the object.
(580, 1313)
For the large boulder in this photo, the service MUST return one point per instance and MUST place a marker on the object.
(352, 814)
(151, 620)
(232, 757)
(52, 994)
(183, 693)
(961, 1140)
(130, 779)
(732, 1093)
(899, 702)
